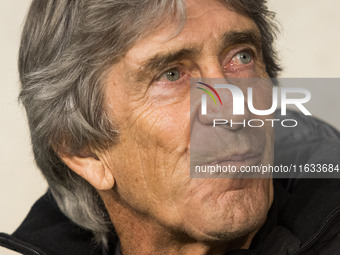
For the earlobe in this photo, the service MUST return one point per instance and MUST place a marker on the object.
(91, 169)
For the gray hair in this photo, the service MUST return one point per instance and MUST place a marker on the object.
(66, 48)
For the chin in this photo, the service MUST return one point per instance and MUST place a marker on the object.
(218, 212)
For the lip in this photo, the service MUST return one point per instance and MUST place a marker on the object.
(232, 163)
(242, 159)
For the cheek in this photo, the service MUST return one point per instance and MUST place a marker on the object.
(264, 99)
(164, 127)
(261, 95)
(151, 147)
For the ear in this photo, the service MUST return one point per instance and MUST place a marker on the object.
(92, 169)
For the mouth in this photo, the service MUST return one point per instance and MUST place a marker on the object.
(230, 166)
(238, 160)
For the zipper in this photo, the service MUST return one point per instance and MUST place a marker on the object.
(319, 233)
(19, 244)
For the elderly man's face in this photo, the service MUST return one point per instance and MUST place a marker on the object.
(147, 95)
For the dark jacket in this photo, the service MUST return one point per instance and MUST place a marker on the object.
(304, 218)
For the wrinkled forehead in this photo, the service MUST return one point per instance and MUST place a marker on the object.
(205, 20)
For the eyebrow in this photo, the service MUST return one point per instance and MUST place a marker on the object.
(252, 37)
(161, 61)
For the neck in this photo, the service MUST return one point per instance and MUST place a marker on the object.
(139, 234)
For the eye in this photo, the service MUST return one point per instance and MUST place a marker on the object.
(244, 57)
(171, 75)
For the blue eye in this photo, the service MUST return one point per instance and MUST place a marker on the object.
(172, 75)
(245, 57)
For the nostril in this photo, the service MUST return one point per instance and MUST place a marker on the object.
(229, 124)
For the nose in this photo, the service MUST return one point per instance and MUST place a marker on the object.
(220, 100)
